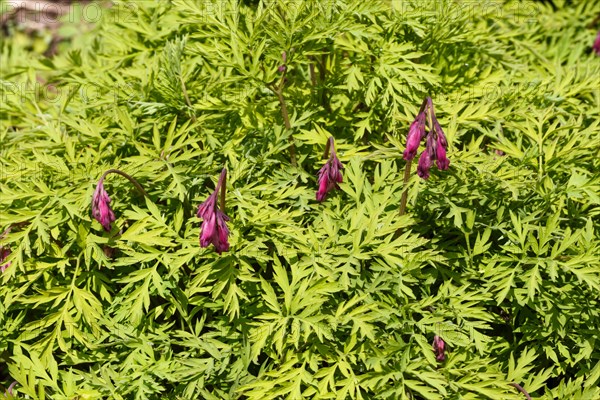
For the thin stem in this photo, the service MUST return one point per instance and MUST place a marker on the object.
(10, 388)
(129, 177)
(328, 146)
(187, 99)
(322, 75)
(286, 118)
(520, 389)
(594, 22)
(427, 102)
(6, 232)
(14, 225)
(323, 69)
(311, 70)
(469, 253)
(430, 116)
(405, 193)
(284, 111)
(223, 184)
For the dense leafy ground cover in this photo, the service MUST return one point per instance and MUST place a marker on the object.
(498, 255)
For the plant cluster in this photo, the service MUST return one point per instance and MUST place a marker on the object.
(482, 281)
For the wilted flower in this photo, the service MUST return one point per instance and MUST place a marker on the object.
(214, 229)
(439, 348)
(596, 45)
(435, 145)
(101, 210)
(4, 252)
(330, 174)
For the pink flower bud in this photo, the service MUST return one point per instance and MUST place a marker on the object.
(416, 133)
(425, 164)
(4, 253)
(214, 229)
(330, 174)
(442, 161)
(101, 210)
(439, 348)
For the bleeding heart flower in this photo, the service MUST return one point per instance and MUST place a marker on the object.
(436, 144)
(439, 348)
(330, 174)
(214, 229)
(101, 210)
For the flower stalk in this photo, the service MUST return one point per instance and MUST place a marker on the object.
(404, 197)
(278, 90)
(521, 389)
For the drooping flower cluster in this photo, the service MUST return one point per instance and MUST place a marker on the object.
(426, 126)
(214, 229)
(596, 45)
(4, 253)
(330, 174)
(439, 348)
(101, 210)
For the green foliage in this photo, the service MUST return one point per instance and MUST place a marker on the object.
(499, 255)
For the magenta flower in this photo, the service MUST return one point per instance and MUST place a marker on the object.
(441, 145)
(425, 163)
(416, 133)
(435, 144)
(441, 160)
(4, 252)
(214, 229)
(596, 45)
(330, 174)
(101, 210)
(439, 348)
